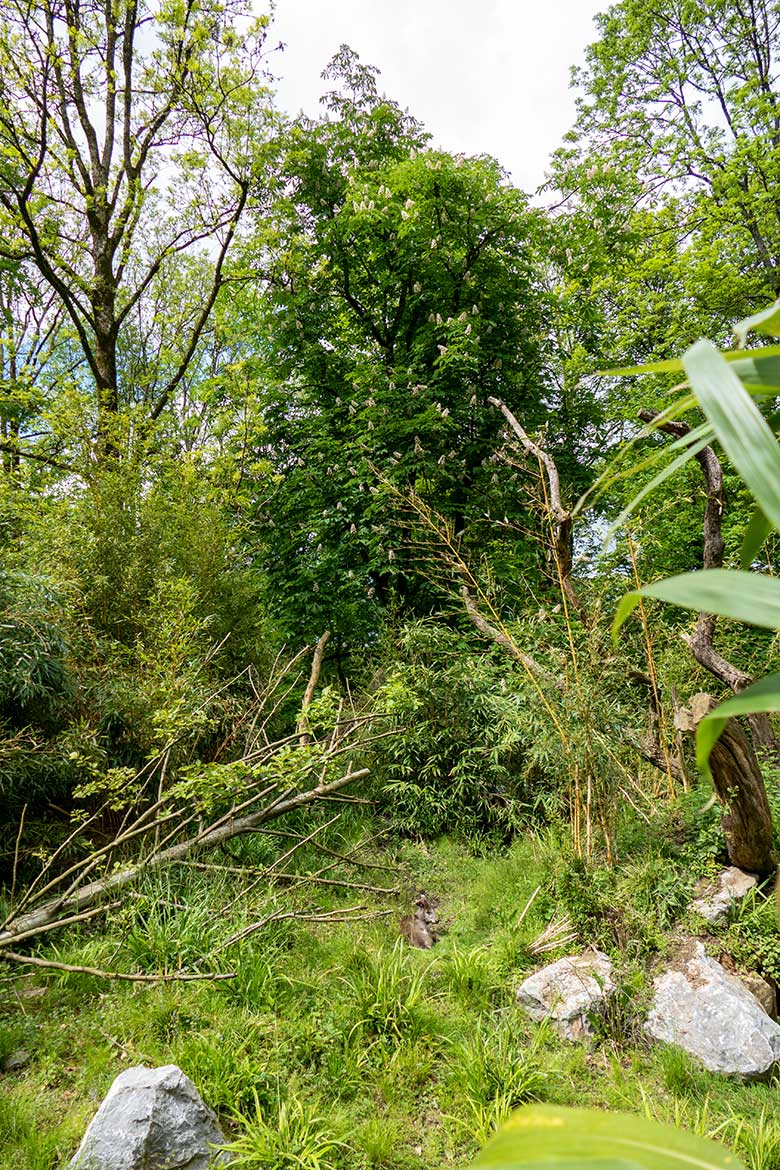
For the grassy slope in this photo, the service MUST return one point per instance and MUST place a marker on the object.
(336, 1046)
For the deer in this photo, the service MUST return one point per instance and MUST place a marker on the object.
(417, 928)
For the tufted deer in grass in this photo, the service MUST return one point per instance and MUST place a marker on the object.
(417, 928)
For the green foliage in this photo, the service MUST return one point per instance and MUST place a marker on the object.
(403, 294)
(387, 997)
(754, 939)
(34, 673)
(293, 1138)
(495, 1073)
(569, 1139)
(457, 757)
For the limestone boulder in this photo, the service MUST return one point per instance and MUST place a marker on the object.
(569, 992)
(699, 1007)
(152, 1119)
(715, 899)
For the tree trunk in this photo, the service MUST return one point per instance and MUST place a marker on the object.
(739, 786)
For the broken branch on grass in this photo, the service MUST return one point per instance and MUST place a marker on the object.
(75, 969)
(224, 830)
(348, 914)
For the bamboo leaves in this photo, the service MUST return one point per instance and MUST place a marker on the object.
(724, 390)
(550, 1137)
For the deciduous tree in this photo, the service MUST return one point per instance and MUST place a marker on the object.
(130, 133)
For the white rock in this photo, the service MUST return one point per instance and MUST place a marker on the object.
(568, 992)
(715, 902)
(151, 1119)
(699, 1007)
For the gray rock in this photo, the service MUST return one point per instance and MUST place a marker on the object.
(568, 992)
(17, 1060)
(716, 899)
(699, 1007)
(151, 1119)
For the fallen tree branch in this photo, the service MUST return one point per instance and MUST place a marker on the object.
(348, 914)
(177, 977)
(223, 830)
(499, 637)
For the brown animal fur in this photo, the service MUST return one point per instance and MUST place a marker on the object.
(417, 928)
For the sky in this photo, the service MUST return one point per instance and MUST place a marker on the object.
(484, 76)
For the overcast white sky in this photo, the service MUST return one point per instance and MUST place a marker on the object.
(483, 75)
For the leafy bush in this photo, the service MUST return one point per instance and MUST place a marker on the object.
(754, 939)
(456, 759)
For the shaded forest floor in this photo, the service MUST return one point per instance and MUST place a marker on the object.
(338, 1046)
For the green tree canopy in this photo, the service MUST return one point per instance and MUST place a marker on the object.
(403, 293)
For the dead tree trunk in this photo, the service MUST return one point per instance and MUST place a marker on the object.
(561, 519)
(739, 786)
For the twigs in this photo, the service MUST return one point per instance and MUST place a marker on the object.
(499, 637)
(347, 914)
(350, 858)
(279, 776)
(558, 933)
(223, 830)
(75, 969)
(16, 853)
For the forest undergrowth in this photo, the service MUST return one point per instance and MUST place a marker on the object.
(339, 1046)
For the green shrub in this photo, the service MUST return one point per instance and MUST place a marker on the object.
(457, 758)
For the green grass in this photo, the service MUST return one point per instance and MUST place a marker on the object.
(339, 1048)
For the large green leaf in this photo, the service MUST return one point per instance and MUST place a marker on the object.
(746, 361)
(741, 428)
(550, 1137)
(761, 696)
(757, 531)
(747, 597)
(759, 373)
(766, 321)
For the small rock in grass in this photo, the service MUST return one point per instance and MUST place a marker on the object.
(715, 900)
(151, 1119)
(568, 992)
(19, 1059)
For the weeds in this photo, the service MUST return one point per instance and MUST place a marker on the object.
(494, 1070)
(293, 1137)
(387, 996)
